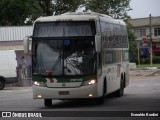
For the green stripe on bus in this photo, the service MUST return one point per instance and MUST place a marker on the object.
(64, 80)
(38, 78)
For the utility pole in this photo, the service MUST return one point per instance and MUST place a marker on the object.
(150, 36)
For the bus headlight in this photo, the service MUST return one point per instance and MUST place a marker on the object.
(89, 82)
(37, 83)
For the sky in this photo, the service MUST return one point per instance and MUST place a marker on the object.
(142, 8)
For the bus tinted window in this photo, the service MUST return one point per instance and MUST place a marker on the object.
(63, 29)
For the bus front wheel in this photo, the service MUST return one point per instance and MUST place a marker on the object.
(2, 84)
(48, 102)
(100, 100)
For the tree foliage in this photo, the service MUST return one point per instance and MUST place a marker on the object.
(63, 6)
(46, 7)
(116, 8)
(132, 42)
(132, 50)
(20, 12)
(13, 12)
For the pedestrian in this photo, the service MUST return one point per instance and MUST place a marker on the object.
(24, 67)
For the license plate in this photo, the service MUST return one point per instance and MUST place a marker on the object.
(63, 92)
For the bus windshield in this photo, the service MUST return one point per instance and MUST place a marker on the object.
(64, 56)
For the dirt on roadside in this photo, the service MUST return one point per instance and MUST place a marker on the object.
(144, 73)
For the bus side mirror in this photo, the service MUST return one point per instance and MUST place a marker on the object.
(98, 42)
(26, 45)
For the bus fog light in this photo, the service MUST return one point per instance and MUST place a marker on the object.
(90, 95)
(39, 96)
(36, 83)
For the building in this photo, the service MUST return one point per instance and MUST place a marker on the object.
(141, 28)
(11, 38)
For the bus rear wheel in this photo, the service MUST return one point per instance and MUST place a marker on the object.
(2, 84)
(120, 92)
(48, 102)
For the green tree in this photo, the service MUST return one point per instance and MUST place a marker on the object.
(16, 12)
(132, 42)
(13, 12)
(20, 12)
(63, 6)
(56, 7)
(34, 10)
(46, 7)
(116, 8)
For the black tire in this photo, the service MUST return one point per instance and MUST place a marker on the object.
(100, 100)
(48, 102)
(120, 92)
(2, 84)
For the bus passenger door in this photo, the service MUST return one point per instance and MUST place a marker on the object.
(99, 64)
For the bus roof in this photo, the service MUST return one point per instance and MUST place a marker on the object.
(80, 16)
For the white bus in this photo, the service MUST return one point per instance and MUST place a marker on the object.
(78, 55)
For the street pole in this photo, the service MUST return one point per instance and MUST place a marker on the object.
(138, 48)
(138, 57)
(150, 24)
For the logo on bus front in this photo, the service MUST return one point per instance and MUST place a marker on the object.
(63, 80)
(51, 80)
(76, 80)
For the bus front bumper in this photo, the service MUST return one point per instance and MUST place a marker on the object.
(89, 91)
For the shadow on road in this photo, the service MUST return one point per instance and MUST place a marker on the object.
(78, 103)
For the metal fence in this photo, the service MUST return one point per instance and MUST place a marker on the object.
(15, 33)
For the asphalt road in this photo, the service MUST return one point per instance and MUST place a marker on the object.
(143, 94)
